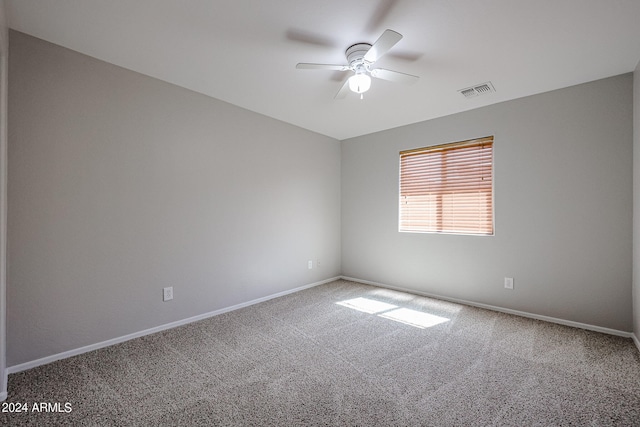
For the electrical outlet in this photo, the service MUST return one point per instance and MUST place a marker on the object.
(508, 282)
(167, 293)
(318, 263)
(310, 264)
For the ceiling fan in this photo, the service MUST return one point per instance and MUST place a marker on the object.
(361, 57)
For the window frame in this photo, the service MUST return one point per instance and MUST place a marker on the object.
(442, 147)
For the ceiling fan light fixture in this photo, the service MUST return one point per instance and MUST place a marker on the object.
(359, 83)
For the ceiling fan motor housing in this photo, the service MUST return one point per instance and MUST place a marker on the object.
(355, 54)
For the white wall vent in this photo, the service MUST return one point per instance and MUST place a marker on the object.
(477, 90)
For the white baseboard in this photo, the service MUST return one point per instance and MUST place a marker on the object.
(636, 340)
(70, 353)
(3, 396)
(503, 310)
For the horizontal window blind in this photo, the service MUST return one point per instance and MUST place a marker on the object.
(448, 188)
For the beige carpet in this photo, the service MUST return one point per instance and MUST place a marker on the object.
(345, 354)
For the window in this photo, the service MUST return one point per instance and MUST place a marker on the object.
(448, 188)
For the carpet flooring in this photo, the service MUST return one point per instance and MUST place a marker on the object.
(344, 354)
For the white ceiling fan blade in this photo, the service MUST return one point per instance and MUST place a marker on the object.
(304, 66)
(394, 76)
(344, 90)
(386, 41)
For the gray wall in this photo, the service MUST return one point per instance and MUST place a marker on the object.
(563, 208)
(636, 201)
(120, 185)
(4, 53)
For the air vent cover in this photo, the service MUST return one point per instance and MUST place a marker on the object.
(477, 90)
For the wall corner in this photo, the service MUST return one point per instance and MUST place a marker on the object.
(4, 54)
(635, 286)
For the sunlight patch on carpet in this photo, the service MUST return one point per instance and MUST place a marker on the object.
(407, 316)
(367, 305)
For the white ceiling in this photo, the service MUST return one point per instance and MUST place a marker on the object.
(245, 51)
